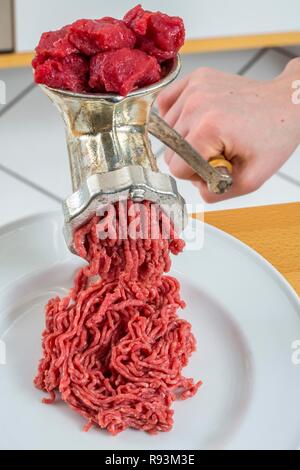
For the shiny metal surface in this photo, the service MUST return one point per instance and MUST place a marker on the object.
(135, 182)
(110, 153)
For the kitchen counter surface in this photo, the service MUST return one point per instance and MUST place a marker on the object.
(273, 231)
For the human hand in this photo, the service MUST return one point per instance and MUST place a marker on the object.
(253, 123)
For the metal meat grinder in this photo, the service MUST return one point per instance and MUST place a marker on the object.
(111, 157)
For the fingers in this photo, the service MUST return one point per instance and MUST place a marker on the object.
(179, 168)
(169, 96)
(180, 127)
(205, 141)
(173, 115)
(209, 197)
(245, 181)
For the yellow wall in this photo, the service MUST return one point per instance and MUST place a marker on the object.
(192, 46)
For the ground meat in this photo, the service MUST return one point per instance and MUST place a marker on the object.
(68, 73)
(157, 35)
(114, 348)
(122, 71)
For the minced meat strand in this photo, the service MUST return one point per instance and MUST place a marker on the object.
(115, 347)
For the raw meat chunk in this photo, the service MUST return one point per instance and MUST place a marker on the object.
(67, 73)
(56, 44)
(109, 55)
(158, 34)
(93, 36)
(137, 19)
(122, 71)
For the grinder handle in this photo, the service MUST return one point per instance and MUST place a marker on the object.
(215, 173)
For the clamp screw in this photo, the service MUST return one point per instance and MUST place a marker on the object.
(137, 195)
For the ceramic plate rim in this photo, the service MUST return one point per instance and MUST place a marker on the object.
(277, 278)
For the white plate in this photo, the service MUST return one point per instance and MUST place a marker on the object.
(244, 315)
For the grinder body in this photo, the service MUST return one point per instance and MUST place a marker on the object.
(110, 154)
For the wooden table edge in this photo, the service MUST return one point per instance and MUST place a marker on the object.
(273, 231)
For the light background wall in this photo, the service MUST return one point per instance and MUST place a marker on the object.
(203, 18)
